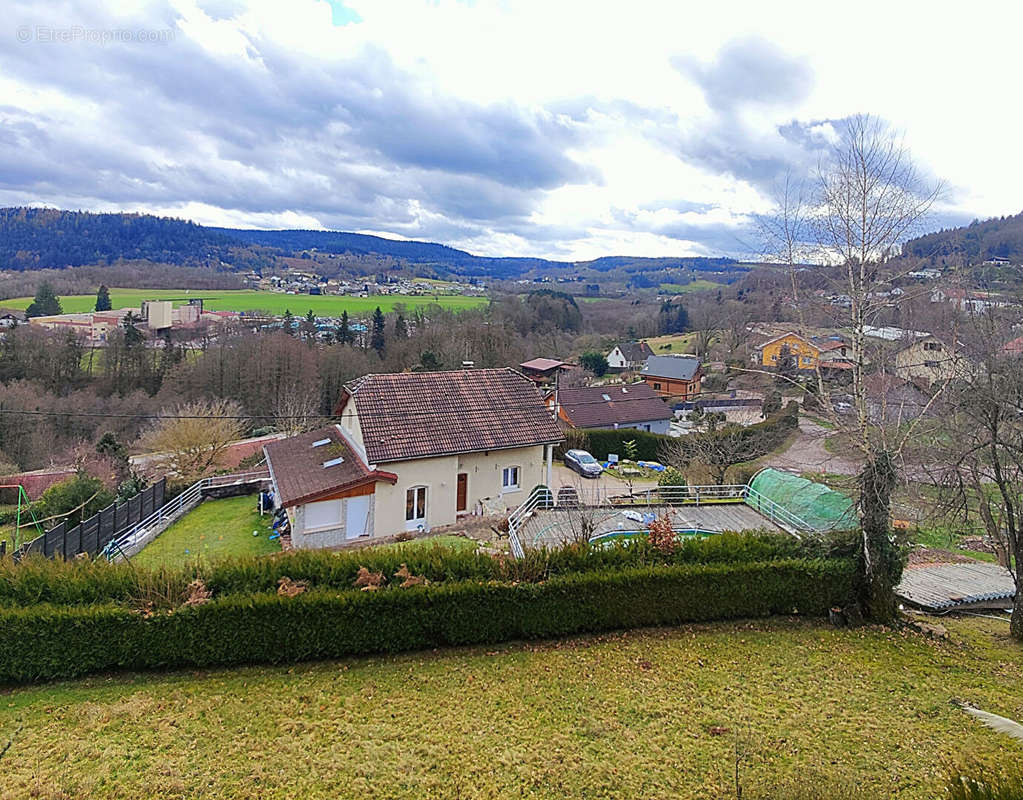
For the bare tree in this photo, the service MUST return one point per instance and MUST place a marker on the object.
(297, 410)
(191, 439)
(716, 450)
(868, 198)
(982, 441)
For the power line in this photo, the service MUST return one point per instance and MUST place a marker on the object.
(365, 416)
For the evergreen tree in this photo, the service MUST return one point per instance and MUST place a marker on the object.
(132, 335)
(308, 326)
(45, 304)
(377, 339)
(400, 328)
(103, 299)
(344, 333)
(288, 321)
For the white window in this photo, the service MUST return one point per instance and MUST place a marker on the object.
(415, 506)
(510, 478)
(325, 514)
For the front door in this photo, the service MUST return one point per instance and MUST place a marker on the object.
(357, 516)
(462, 496)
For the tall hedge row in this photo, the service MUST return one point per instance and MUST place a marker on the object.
(763, 436)
(43, 580)
(44, 641)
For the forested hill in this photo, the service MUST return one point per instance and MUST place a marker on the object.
(1001, 237)
(290, 242)
(38, 238)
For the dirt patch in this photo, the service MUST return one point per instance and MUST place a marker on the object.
(923, 556)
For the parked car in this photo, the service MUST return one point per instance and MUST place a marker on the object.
(583, 463)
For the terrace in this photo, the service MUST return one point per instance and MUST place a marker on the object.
(772, 501)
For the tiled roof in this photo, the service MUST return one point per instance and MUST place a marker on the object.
(420, 414)
(635, 351)
(542, 364)
(586, 407)
(681, 368)
(298, 472)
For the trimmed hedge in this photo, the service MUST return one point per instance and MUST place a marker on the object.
(762, 437)
(42, 580)
(45, 642)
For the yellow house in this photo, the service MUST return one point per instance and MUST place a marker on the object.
(805, 354)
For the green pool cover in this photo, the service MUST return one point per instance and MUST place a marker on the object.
(821, 508)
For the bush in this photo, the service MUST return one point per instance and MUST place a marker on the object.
(671, 477)
(42, 580)
(46, 642)
(82, 494)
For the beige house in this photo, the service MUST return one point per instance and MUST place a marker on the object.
(413, 452)
(928, 359)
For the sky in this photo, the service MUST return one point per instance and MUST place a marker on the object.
(555, 128)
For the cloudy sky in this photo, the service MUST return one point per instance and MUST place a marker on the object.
(554, 128)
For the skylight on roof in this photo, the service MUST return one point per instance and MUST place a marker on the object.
(321, 442)
(606, 396)
(333, 462)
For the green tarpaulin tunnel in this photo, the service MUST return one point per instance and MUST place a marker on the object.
(821, 508)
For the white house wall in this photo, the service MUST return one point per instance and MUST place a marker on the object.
(440, 476)
(334, 536)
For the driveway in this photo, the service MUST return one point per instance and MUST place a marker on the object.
(808, 454)
(563, 476)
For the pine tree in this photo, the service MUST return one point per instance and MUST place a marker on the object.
(400, 328)
(377, 340)
(308, 326)
(344, 333)
(288, 321)
(45, 304)
(103, 299)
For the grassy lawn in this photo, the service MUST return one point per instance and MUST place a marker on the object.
(454, 542)
(217, 528)
(253, 300)
(655, 714)
(699, 285)
(678, 343)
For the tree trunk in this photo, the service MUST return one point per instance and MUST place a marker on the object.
(1016, 621)
(881, 565)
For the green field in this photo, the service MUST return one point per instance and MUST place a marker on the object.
(679, 342)
(659, 713)
(252, 300)
(699, 285)
(217, 528)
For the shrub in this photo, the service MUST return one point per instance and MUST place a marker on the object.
(82, 494)
(671, 477)
(45, 642)
(41, 580)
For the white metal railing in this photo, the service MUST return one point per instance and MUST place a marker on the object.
(572, 497)
(171, 510)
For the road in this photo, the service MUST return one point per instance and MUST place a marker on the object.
(808, 454)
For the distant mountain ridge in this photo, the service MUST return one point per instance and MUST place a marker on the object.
(39, 238)
(999, 237)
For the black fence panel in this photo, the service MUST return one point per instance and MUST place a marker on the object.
(99, 530)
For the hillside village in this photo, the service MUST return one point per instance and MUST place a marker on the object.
(510, 400)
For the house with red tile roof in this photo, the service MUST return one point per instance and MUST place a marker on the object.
(414, 451)
(633, 405)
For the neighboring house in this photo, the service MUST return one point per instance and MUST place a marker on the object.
(544, 370)
(893, 399)
(1013, 348)
(634, 405)
(628, 356)
(806, 354)
(675, 378)
(414, 451)
(928, 359)
(9, 317)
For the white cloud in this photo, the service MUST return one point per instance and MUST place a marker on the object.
(509, 127)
